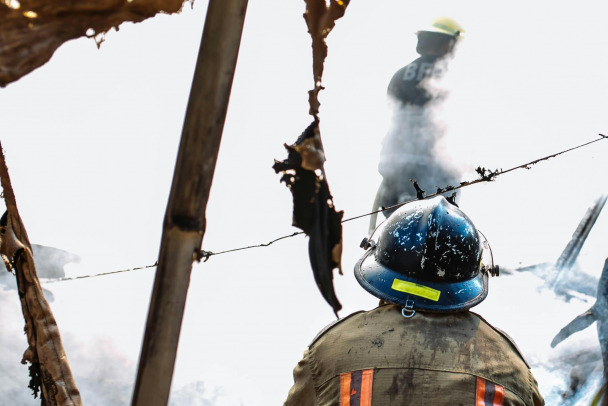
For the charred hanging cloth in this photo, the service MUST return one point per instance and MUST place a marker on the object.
(32, 30)
(313, 209)
(320, 18)
(303, 173)
(50, 374)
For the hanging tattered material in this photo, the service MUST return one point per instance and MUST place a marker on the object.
(303, 172)
(49, 369)
(321, 19)
(313, 209)
(31, 30)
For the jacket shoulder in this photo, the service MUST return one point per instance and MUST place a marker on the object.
(332, 325)
(505, 336)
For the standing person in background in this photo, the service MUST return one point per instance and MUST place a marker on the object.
(422, 346)
(408, 149)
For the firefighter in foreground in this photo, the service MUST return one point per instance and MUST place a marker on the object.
(408, 149)
(421, 346)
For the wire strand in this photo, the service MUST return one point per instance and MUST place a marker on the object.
(485, 175)
(98, 274)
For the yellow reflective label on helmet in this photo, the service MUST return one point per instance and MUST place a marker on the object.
(415, 289)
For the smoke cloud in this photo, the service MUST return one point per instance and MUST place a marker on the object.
(528, 80)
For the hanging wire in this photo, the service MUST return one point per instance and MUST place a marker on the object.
(485, 175)
(98, 274)
(205, 255)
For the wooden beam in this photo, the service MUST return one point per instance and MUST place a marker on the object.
(184, 223)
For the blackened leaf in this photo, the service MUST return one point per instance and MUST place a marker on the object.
(313, 208)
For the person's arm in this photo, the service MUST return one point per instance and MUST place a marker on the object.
(302, 393)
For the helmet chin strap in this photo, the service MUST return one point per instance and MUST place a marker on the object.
(493, 270)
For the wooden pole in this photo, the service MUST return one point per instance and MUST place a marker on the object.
(184, 223)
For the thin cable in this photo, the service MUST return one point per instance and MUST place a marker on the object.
(485, 175)
(207, 254)
(98, 274)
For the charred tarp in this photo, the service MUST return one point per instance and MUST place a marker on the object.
(313, 208)
(303, 173)
(31, 30)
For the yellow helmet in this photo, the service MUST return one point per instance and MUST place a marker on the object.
(445, 25)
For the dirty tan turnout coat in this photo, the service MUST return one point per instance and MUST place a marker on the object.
(381, 358)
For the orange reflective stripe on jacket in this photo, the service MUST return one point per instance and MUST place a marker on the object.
(489, 394)
(356, 388)
(427, 360)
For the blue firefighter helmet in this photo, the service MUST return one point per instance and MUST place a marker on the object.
(428, 257)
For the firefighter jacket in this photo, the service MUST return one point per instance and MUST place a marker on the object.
(381, 358)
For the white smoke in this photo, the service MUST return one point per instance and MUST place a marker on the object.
(13, 344)
(103, 373)
(91, 139)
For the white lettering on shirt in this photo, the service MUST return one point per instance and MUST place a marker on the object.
(410, 71)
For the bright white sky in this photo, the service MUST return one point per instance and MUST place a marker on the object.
(91, 138)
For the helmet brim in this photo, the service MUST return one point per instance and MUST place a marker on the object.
(405, 291)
